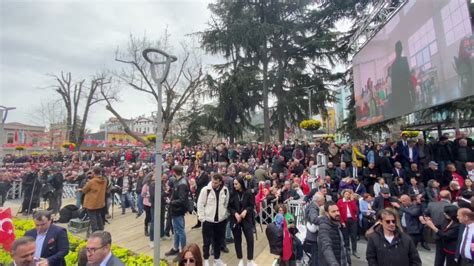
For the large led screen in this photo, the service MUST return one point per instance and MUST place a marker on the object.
(424, 56)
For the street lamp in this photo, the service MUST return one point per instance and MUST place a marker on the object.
(3, 117)
(159, 139)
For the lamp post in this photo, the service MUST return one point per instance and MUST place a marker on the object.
(159, 140)
(3, 117)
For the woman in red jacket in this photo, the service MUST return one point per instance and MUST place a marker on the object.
(348, 210)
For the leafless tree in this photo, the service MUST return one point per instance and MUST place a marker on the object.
(78, 97)
(47, 113)
(50, 114)
(186, 77)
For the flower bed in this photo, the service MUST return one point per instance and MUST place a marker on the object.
(75, 244)
(411, 133)
(310, 124)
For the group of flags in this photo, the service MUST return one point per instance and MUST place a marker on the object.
(20, 137)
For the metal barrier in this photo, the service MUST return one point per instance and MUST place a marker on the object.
(267, 212)
(297, 207)
(15, 191)
(69, 191)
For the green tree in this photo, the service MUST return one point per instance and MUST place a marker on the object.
(290, 43)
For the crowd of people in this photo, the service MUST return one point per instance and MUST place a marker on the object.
(396, 194)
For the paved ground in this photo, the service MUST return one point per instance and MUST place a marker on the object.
(127, 231)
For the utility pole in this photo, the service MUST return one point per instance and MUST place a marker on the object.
(159, 139)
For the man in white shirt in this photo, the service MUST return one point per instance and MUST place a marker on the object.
(98, 250)
(464, 253)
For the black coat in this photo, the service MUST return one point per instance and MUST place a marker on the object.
(201, 182)
(401, 251)
(288, 194)
(429, 174)
(239, 202)
(449, 237)
(385, 166)
(179, 198)
(397, 191)
(331, 250)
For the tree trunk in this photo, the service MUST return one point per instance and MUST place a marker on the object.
(281, 126)
(127, 129)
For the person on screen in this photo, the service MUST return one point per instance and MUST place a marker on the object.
(402, 85)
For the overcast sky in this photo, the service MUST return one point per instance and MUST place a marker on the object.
(46, 37)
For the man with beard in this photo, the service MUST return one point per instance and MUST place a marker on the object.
(388, 245)
(331, 250)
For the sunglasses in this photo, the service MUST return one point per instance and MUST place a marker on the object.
(389, 221)
(187, 261)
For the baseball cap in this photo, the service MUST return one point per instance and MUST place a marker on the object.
(384, 190)
(433, 163)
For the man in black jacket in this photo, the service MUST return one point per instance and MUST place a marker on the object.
(409, 213)
(430, 173)
(202, 179)
(331, 250)
(178, 206)
(387, 245)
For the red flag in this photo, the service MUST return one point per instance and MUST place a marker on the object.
(259, 197)
(16, 136)
(71, 147)
(7, 235)
(287, 243)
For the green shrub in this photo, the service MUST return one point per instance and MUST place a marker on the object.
(75, 244)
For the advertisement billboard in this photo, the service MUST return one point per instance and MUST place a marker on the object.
(422, 57)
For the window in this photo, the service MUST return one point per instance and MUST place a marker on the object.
(10, 138)
(456, 21)
(35, 141)
(422, 46)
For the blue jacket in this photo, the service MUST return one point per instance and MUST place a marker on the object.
(55, 246)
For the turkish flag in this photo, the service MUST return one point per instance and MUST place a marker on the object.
(287, 243)
(7, 235)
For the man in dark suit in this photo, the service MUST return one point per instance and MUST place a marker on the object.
(464, 254)
(402, 147)
(52, 243)
(409, 155)
(98, 250)
(399, 172)
(435, 210)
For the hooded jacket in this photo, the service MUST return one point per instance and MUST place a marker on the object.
(206, 204)
(94, 193)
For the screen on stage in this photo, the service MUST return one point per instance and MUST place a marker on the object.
(422, 57)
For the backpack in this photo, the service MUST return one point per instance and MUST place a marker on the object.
(275, 239)
(67, 213)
